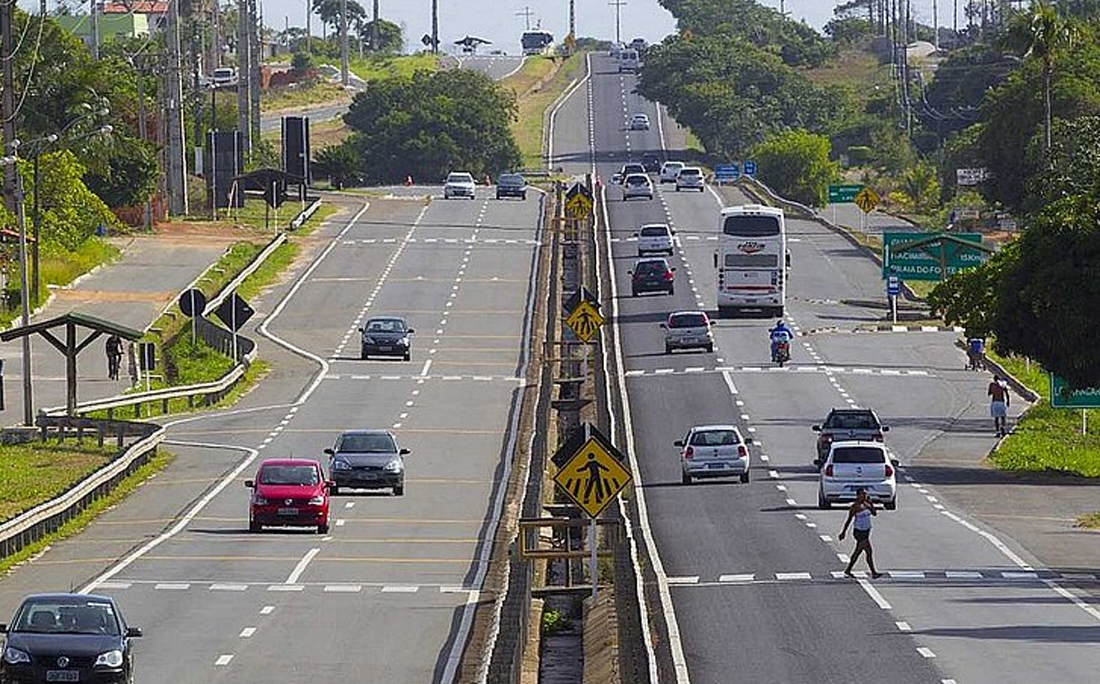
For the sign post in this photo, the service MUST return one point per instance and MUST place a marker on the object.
(1061, 396)
(893, 289)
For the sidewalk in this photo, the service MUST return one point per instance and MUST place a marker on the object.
(149, 274)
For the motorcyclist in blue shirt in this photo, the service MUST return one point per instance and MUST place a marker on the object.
(780, 333)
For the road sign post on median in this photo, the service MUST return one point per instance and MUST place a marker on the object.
(893, 289)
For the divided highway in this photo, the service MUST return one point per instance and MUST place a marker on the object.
(391, 590)
(752, 570)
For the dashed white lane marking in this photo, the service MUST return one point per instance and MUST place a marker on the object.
(223, 660)
(903, 626)
(400, 589)
(267, 610)
(427, 366)
(172, 586)
(825, 537)
(108, 586)
(343, 588)
(292, 578)
(247, 632)
(228, 587)
(787, 576)
(962, 574)
(926, 652)
(286, 587)
(694, 579)
(905, 574)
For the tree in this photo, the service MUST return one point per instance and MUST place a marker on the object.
(969, 298)
(1070, 167)
(340, 163)
(70, 211)
(1048, 296)
(920, 186)
(796, 165)
(390, 39)
(432, 123)
(124, 173)
(329, 12)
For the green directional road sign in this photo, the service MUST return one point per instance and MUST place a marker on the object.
(841, 194)
(925, 262)
(1062, 397)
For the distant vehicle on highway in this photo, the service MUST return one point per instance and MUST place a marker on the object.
(714, 451)
(688, 330)
(385, 336)
(651, 162)
(511, 185)
(637, 185)
(629, 61)
(628, 169)
(655, 238)
(459, 184)
(846, 424)
(615, 50)
(652, 275)
(223, 77)
(669, 170)
(751, 260)
(68, 638)
(638, 44)
(367, 459)
(537, 42)
(639, 122)
(853, 465)
(690, 178)
(289, 492)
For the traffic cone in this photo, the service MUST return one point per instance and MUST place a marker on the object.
(408, 181)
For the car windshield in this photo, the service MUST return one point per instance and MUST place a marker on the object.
(386, 325)
(715, 438)
(650, 267)
(852, 421)
(859, 454)
(367, 442)
(74, 615)
(687, 320)
(289, 475)
(460, 178)
(654, 231)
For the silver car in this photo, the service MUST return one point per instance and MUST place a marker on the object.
(688, 330)
(853, 465)
(637, 185)
(690, 178)
(669, 170)
(367, 459)
(714, 451)
(459, 184)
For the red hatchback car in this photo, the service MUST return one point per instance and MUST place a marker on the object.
(289, 492)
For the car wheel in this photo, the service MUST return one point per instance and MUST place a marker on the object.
(322, 529)
(254, 526)
(892, 504)
(822, 502)
(677, 188)
(399, 489)
(744, 477)
(685, 478)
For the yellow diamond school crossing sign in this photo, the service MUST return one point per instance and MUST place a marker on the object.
(867, 199)
(593, 477)
(585, 320)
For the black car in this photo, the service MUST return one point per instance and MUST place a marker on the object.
(68, 638)
(511, 185)
(651, 275)
(369, 459)
(651, 162)
(847, 424)
(385, 336)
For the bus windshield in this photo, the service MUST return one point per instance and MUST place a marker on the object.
(750, 226)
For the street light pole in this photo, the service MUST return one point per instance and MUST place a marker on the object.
(28, 401)
(618, 5)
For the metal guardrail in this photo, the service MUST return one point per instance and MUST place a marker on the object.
(214, 302)
(45, 518)
(305, 214)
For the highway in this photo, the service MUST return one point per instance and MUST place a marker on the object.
(391, 590)
(751, 572)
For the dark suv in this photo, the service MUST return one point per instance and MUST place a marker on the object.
(651, 275)
(843, 425)
(511, 185)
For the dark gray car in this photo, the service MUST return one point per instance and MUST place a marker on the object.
(385, 336)
(367, 459)
(511, 185)
(847, 424)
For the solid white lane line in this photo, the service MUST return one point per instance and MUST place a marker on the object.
(1072, 598)
(292, 578)
(991, 539)
(223, 660)
(247, 632)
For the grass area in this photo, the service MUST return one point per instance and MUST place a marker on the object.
(534, 101)
(1047, 439)
(302, 95)
(370, 68)
(36, 472)
(75, 525)
(852, 66)
(57, 266)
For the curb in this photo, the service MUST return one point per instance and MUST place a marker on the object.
(1029, 395)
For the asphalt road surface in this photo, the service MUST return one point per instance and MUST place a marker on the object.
(751, 571)
(390, 590)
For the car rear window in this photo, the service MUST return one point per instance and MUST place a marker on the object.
(367, 443)
(852, 421)
(690, 172)
(687, 320)
(635, 180)
(858, 455)
(647, 267)
(288, 475)
(633, 168)
(715, 438)
(654, 231)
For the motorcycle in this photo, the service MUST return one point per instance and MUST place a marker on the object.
(782, 353)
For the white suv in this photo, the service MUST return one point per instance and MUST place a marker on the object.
(713, 451)
(637, 185)
(459, 185)
(655, 237)
(853, 465)
(688, 330)
(669, 170)
(690, 177)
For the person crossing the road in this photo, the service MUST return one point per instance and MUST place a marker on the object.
(998, 404)
(859, 517)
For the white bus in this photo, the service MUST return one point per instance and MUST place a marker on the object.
(751, 259)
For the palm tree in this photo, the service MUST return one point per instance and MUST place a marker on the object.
(1041, 33)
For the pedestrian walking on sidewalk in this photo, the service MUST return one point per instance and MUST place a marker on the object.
(859, 517)
(998, 404)
(114, 356)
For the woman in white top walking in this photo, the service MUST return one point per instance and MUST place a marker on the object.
(860, 512)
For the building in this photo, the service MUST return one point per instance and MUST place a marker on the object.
(126, 26)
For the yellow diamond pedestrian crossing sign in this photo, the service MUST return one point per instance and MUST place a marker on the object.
(578, 206)
(593, 477)
(585, 320)
(867, 199)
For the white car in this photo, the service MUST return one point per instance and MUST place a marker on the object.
(669, 170)
(639, 122)
(655, 238)
(459, 185)
(688, 330)
(637, 185)
(223, 77)
(856, 464)
(690, 177)
(714, 451)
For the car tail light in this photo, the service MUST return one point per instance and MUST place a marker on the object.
(877, 437)
(668, 275)
(742, 451)
(889, 471)
(829, 470)
(826, 438)
(689, 452)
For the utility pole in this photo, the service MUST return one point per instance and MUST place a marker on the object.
(95, 28)
(344, 43)
(618, 5)
(435, 27)
(196, 83)
(216, 46)
(309, 27)
(244, 78)
(143, 133)
(527, 14)
(7, 98)
(936, 25)
(374, 29)
(573, 21)
(256, 62)
(173, 100)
